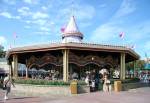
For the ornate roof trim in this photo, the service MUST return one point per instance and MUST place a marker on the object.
(77, 46)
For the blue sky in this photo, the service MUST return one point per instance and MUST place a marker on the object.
(101, 21)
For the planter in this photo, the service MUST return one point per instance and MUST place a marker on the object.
(40, 90)
(83, 89)
(127, 86)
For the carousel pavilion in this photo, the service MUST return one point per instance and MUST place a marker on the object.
(71, 55)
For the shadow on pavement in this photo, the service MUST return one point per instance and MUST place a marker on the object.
(23, 97)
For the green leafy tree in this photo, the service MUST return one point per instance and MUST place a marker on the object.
(139, 64)
(2, 52)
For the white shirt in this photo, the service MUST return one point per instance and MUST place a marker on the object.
(7, 81)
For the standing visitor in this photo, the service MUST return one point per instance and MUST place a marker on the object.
(87, 79)
(75, 76)
(7, 85)
(107, 84)
(93, 85)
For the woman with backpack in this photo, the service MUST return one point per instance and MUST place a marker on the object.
(7, 85)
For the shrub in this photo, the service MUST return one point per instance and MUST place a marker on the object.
(132, 80)
(40, 82)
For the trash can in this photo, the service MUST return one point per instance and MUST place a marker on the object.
(73, 87)
(117, 86)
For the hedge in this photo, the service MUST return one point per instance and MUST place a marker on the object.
(45, 82)
(61, 83)
(132, 80)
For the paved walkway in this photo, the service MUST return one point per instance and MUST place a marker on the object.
(140, 95)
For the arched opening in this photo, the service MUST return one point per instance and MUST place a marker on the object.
(74, 71)
(89, 69)
(47, 71)
(109, 68)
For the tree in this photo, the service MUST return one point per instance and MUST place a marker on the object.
(2, 52)
(139, 64)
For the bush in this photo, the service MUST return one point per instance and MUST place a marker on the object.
(132, 80)
(81, 82)
(40, 82)
(62, 83)
(45, 82)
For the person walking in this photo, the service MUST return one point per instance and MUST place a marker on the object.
(7, 85)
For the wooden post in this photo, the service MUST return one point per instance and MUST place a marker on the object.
(134, 63)
(15, 66)
(122, 66)
(65, 65)
(10, 70)
(26, 70)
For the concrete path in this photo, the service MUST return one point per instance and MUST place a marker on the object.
(140, 95)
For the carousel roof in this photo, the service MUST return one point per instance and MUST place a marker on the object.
(72, 29)
(73, 46)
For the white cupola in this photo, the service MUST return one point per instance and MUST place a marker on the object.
(71, 33)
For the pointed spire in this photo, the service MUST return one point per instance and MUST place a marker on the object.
(72, 29)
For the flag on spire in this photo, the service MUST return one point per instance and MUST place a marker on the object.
(121, 35)
(133, 47)
(62, 29)
(10, 46)
(15, 35)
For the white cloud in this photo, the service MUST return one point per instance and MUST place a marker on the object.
(42, 33)
(106, 32)
(103, 5)
(17, 17)
(6, 14)
(82, 12)
(140, 31)
(45, 28)
(11, 2)
(9, 16)
(25, 11)
(39, 15)
(126, 8)
(39, 22)
(28, 21)
(2, 40)
(31, 1)
(44, 8)
(28, 1)
(27, 26)
(85, 12)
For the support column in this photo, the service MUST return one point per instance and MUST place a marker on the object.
(65, 65)
(15, 66)
(10, 70)
(134, 71)
(122, 66)
(26, 70)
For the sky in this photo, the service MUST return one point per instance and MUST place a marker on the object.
(28, 22)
